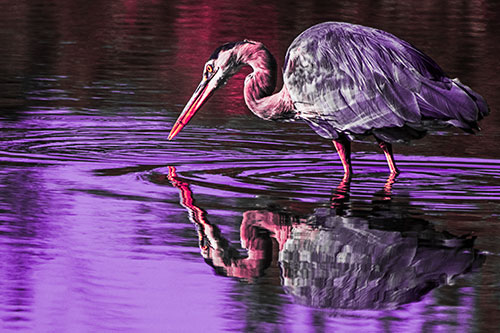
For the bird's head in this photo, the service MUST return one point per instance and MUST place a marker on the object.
(224, 62)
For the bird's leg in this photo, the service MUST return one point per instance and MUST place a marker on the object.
(343, 146)
(387, 148)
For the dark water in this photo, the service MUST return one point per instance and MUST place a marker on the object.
(238, 224)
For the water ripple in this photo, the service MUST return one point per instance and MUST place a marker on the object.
(239, 162)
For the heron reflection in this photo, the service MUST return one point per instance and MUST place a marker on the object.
(337, 257)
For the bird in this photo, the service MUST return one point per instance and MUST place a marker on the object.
(346, 81)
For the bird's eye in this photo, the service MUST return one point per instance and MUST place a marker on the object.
(210, 69)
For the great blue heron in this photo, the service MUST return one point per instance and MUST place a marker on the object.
(345, 81)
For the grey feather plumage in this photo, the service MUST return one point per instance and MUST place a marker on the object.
(356, 80)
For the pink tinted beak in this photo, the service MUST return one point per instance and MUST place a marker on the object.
(200, 96)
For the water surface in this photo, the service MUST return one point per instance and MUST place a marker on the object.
(238, 224)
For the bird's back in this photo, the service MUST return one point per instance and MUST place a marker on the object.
(351, 79)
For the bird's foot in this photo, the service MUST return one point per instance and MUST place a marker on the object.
(394, 172)
(347, 176)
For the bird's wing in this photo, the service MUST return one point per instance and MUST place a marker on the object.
(353, 79)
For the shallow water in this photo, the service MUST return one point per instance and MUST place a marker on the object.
(104, 224)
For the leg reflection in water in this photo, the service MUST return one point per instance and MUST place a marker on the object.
(341, 195)
(354, 260)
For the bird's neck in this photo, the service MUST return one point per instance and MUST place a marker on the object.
(260, 84)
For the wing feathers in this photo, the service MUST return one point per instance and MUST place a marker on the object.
(354, 79)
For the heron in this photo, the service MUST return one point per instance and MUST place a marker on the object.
(347, 82)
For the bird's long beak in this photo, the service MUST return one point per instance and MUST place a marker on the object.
(200, 96)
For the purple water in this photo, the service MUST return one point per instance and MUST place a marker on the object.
(238, 224)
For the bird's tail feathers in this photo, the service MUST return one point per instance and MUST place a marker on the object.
(483, 108)
(455, 104)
